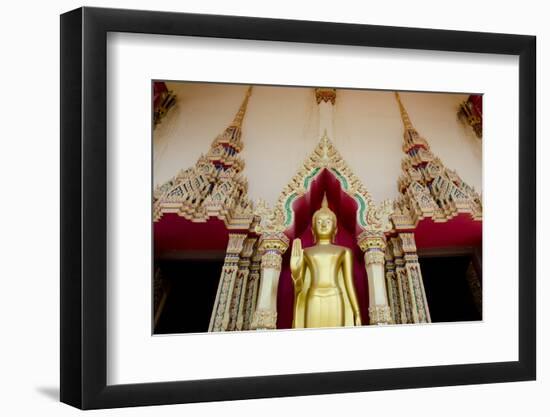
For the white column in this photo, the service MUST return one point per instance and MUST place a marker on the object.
(271, 246)
(373, 244)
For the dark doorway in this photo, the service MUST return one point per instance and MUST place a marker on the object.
(448, 290)
(193, 287)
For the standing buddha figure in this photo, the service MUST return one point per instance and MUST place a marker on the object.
(324, 293)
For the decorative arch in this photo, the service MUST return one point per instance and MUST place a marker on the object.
(345, 207)
(326, 159)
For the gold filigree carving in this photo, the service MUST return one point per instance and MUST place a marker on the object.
(271, 260)
(264, 320)
(380, 314)
(326, 156)
(372, 240)
(429, 189)
(270, 220)
(325, 95)
(214, 187)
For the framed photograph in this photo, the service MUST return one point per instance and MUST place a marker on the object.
(256, 208)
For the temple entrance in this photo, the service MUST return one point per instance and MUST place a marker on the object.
(192, 291)
(452, 287)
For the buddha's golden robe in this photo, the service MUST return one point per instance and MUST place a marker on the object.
(324, 293)
(323, 300)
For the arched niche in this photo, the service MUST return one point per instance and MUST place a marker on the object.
(303, 207)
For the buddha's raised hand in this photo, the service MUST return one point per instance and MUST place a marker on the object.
(297, 259)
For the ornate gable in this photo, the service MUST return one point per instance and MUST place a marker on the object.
(324, 156)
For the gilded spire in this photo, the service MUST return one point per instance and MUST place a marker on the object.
(225, 147)
(404, 115)
(324, 204)
(238, 120)
(325, 209)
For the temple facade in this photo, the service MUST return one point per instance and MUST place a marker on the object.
(232, 197)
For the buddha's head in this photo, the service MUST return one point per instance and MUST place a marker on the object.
(324, 223)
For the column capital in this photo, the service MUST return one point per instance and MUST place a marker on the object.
(407, 242)
(397, 249)
(248, 247)
(372, 240)
(235, 243)
(273, 242)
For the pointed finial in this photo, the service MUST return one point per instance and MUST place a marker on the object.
(238, 121)
(404, 115)
(324, 204)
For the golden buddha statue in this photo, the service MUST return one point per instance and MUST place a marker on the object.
(324, 293)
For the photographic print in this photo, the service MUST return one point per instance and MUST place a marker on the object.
(310, 194)
(278, 207)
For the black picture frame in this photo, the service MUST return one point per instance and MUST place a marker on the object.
(84, 207)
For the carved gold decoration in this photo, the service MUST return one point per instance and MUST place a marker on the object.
(271, 260)
(380, 314)
(379, 217)
(392, 286)
(222, 311)
(372, 240)
(270, 221)
(236, 308)
(410, 276)
(325, 156)
(251, 294)
(405, 308)
(264, 320)
(214, 187)
(467, 112)
(325, 95)
(277, 242)
(374, 257)
(408, 243)
(429, 189)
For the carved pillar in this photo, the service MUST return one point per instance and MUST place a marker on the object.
(221, 312)
(402, 281)
(237, 296)
(373, 245)
(392, 286)
(271, 246)
(421, 313)
(251, 294)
